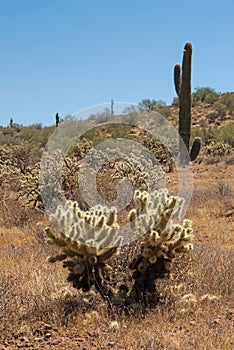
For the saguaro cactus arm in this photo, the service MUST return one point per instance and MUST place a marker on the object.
(177, 78)
(195, 149)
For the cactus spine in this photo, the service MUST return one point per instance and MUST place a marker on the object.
(182, 81)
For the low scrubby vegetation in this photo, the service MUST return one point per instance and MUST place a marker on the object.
(155, 296)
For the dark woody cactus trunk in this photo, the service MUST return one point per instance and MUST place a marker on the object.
(182, 82)
(185, 99)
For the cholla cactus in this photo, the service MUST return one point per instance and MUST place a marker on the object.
(9, 174)
(217, 148)
(59, 175)
(132, 170)
(16, 156)
(80, 148)
(154, 217)
(158, 149)
(86, 240)
(5, 172)
(30, 186)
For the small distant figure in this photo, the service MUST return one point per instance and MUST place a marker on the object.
(112, 107)
(57, 119)
(11, 123)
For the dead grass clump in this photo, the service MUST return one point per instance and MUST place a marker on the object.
(31, 290)
(14, 212)
(211, 272)
(195, 306)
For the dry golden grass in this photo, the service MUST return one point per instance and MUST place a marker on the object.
(40, 310)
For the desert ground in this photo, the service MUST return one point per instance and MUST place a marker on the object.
(40, 310)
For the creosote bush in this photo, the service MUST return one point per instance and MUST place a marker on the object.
(87, 241)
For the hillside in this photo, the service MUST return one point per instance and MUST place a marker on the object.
(191, 307)
(212, 118)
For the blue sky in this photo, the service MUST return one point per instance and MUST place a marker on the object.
(66, 55)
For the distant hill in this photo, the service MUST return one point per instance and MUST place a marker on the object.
(212, 118)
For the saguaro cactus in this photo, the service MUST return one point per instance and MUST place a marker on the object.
(57, 119)
(182, 81)
(112, 107)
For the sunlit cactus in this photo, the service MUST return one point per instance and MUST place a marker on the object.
(132, 170)
(87, 239)
(49, 180)
(155, 214)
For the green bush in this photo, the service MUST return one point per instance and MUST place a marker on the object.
(220, 109)
(205, 94)
(211, 117)
(176, 102)
(150, 105)
(165, 111)
(227, 99)
(211, 98)
(226, 133)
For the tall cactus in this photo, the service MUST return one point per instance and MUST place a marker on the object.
(182, 81)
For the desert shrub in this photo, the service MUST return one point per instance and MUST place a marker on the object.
(35, 135)
(176, 102)
(217, 148)
(226, 134)
(211, 97)
(14, 213)
(150, 105)
(101, 117)
(8, 137)
(227, 99)
(220, 109)
(165, 111)
(211, 117)
(205, 94)
(207, 133)
(32, 137)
